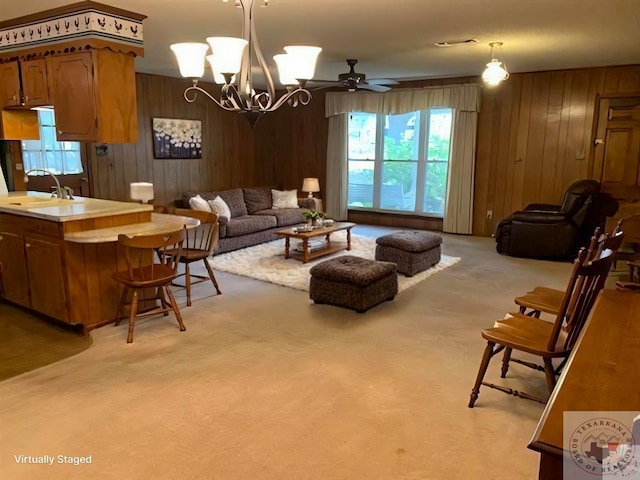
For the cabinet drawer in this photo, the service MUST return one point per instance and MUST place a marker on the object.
(22, 225)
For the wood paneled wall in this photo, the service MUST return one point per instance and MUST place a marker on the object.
(534, 139)
(227, 154)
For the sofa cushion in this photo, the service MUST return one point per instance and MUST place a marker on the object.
(256, 199)
(246, 224)
(284, 216)
(219, 206)
(199, 203)
(232, 197)
(284, 199)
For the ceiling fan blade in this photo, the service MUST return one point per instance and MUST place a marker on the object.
(375, 88)
(382, 81)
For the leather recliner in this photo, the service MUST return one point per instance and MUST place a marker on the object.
(556, 231)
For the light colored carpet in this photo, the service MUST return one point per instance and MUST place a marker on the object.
(265, 385)
(266, 262)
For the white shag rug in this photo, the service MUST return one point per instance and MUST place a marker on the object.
(266, 262)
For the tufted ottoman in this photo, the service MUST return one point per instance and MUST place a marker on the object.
(413, 252)
(353, 282)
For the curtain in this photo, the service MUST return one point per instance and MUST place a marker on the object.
(458, 214)
(337, 168)
(463, 99)
(3, 183)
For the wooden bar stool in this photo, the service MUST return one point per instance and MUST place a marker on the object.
(200, 243)
(142, 273)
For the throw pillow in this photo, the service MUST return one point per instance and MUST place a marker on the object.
(285, 199)
(199, 203)
(219, 206)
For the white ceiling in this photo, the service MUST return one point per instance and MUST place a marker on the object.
(395, 38)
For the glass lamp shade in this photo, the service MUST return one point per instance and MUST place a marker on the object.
(141, 191)
(286, 69)
(494, 73)
(228, 53)
(217, 76)
(302, 61)
(190, 58)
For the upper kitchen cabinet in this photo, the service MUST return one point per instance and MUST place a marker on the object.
(24, 83)
(9, 84)
(94, 96)
(79, 58)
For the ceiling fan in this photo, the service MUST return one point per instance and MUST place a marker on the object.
(353, 80)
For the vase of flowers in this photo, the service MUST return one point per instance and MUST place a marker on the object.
(312, 216)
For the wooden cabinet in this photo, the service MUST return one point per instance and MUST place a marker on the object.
(46, 279)
(35, 89)
(14, 282)
(9, 84)
(94, 96)
(73, 92)
(24, 83)
(31, 265)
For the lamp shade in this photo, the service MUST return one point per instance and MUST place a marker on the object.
(303, 60)
(190, 58)
(217, 76)
(310, 185)
(286, 69)
(141, 191)
(227, 53)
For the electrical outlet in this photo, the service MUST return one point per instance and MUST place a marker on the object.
(489, 214)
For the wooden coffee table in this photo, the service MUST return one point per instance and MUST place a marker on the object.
(308, 253)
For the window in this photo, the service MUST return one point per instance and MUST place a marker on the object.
(60, 158)
(399, 162)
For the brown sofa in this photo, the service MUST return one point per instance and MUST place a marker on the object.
(253, 220)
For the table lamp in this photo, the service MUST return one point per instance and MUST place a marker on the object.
(310, 185)
(141, 191)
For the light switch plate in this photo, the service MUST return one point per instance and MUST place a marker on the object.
(18, 166)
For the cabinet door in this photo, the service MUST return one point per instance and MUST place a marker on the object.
(72, 87)
(35, 90)
(9, 84)
(14, 282)
(46, 279)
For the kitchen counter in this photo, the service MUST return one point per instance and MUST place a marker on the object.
(160, 223)
(41, 205)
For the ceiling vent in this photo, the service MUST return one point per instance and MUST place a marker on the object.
(453, 43)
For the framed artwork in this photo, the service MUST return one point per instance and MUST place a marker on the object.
(176, 138)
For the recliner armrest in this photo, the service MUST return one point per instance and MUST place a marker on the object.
(543, 207)
(536, 216)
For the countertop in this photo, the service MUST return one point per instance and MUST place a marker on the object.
(160, 223)
(41, 205)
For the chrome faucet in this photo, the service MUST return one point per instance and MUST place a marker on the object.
(61, 193)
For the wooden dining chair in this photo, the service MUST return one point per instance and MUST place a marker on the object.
(541, 338)
(200, 243)
(143, 274)
(548, 300)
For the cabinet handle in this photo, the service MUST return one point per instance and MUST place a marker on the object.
(26, 99)
(59, 132)
(28, 245)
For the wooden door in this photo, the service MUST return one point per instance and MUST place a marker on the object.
(46, 278)
(617, 146)
(14, 282)
(35, 90)
(72, 87)
(9, 84)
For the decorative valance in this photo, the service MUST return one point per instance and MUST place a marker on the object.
(464, 98)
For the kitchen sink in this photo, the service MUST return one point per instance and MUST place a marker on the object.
(34, 202)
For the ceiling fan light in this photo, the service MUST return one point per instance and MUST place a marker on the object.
(228, 53)
(286, 69)
(494, 73)
(302, 60)
(190, 58)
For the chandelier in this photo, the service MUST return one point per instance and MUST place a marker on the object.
(495, 72)
(231, 62)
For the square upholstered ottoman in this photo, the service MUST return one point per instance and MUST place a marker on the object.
(353, 282)
(413, 252)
